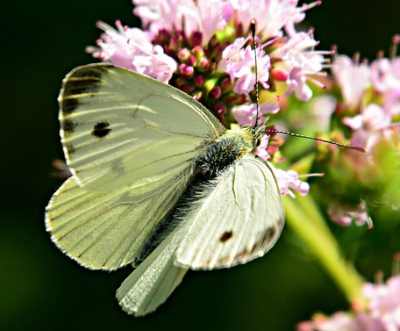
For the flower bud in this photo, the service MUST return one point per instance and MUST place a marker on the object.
(216, 92)
(204, 64)
(192, 60)
(198, 52)
(183, 54)
(186, 70)
(279, 75)
(199, 80)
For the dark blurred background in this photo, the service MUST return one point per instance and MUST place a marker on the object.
(42, 289)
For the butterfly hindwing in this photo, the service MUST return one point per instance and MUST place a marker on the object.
(239, 218)
(107, 230)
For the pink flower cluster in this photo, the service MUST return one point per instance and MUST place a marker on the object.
(369, 107)
(345, 216)
(372, 94)
(381, 314)
(204, 16)
(238, 62)
(132, 48)
(204, 48)
(289, 182)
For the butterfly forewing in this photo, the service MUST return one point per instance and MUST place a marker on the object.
(239, 218)
(118, 127)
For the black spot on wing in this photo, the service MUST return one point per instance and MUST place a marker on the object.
(89, 71)
(68, 105)
(101, 129)
(270, 233)
(79, 85)
(68, 126)
(226, 236)
(97, 70)
(83, 80)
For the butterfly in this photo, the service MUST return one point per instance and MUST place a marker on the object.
(157, 182)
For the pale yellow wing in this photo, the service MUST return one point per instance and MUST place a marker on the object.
(118, 127)
(151, 283)
(239, 218)
(107, 230)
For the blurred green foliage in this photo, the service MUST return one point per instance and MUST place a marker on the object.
(44, 290)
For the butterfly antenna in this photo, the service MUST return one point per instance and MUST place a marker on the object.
(271, 131)
(254, 46)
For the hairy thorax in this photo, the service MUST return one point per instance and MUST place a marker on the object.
(232, 145)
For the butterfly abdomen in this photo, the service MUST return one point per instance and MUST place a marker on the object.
(217, 157)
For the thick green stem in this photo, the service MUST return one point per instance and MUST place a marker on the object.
(304, 218)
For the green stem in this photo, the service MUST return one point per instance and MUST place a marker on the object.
(307, 222)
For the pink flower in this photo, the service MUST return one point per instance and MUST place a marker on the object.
(381, 314)
(213, 16)
(322, 108)
(372, 118)
(353, 79)
(205, 16)
(391, 102)
(366, 322)
(368, 126)
(261, 150)
(300, 61)
(342, 321)
(271, 15)
(384, 302)
(155, 64)
(131, 48)
(294, 55)
(346, 215)
(338, 322)
(297, 83)
(298, 52)
(238, 62)
(289, 182)
(245, 114)
(385, 75)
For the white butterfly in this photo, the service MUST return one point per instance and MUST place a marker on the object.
(158, 183)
